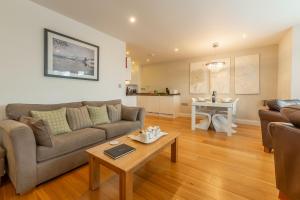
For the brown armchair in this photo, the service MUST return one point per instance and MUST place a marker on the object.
(272, 114)
(2, 159)
(286, 144)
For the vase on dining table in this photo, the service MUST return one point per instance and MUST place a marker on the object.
(214, 96)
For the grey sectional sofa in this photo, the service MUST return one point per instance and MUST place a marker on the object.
(30, 164)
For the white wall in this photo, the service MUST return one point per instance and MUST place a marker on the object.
(284, 66)
(175, 75)
(135, 74)
(21, 58)
(289, 64)
(296, 63)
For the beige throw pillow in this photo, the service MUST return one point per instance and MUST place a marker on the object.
(292, 113)
(41, 130)
(98, 115)
(56, 120)
(129, 113)
(114, 112)
(79, 118)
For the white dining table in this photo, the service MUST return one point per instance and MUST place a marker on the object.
(228, 106)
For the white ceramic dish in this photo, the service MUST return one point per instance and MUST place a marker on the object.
(226, 100)
(201, 99)
(138, 138)
(114, 142)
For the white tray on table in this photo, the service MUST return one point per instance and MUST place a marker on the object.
(139, 138)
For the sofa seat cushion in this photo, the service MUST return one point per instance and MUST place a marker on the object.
(69, 142)
(119, 128)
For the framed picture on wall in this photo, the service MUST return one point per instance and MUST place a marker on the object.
(67, 57)
(247, 80)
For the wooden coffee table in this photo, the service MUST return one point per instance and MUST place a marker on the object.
(127, 165)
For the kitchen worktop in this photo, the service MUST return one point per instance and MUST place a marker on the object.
(152, 94)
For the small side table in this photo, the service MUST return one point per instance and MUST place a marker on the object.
(2, 163)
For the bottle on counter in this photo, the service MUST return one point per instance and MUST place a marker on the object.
(167, 91)
(214, 96)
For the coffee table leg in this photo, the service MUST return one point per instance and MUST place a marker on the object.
(126, 186)
(174, 151)
(94, 173)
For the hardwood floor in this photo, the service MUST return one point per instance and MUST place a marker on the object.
(210, 166)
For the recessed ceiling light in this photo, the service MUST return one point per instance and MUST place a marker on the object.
(152, 54)
(244, 35)
(127, 52)
(133, 62)
(176, 49)
(132, 20)
(148, 60)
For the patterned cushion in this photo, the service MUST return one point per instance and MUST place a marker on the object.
(114, 112)
(98, 115)
(56, 120)
(79, 118)
(41, 130)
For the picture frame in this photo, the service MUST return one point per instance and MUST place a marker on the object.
(68, 57)
(247, 74)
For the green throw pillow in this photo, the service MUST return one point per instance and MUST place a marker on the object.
(56, 120)
(98, 115)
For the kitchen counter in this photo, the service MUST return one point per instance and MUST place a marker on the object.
(159, 104)
(152, 94)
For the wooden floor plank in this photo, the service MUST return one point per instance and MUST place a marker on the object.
(210, 166)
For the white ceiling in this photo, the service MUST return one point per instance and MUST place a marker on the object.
(190, 25)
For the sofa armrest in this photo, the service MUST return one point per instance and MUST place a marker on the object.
(266, 116)
(271, 116)
(20, 146)
(2, 163)
(141, 116)
(286, 144)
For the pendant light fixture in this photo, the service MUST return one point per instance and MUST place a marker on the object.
(215, 66)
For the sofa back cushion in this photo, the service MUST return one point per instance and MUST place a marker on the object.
(114, 112)
(277, 104)
(15, 111)
(41, 130)
(98, 115)
(292, 113)
(101, 103)
(56, 119)
(79, 118)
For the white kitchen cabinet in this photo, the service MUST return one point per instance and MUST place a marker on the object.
(160, 105)
(150, 103)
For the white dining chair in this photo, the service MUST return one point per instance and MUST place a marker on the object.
(220, 122)
(206, 117)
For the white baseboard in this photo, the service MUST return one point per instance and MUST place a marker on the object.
(248, 122)
(183, 115)
(160, 115)
(239, 121)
